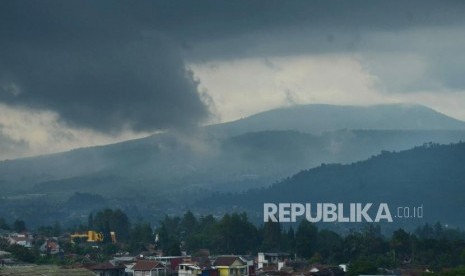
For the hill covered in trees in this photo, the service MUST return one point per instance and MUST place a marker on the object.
(431, 176)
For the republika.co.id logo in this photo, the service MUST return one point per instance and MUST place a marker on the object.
(338, 212)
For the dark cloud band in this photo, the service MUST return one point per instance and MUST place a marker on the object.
(110, 65)
(107, 78)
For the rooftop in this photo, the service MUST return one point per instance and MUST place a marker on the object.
(147, 265)
(106, 266)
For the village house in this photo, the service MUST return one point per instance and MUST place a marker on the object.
(108, 269)
(23, 239)
(231, 266)
(187, 269)
(148, 268)
(50, 247)
(326, 271)
(205, 264)
(276, 260)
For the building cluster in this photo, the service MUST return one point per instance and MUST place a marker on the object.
(153, 262)
(47, 245)
(225, 265)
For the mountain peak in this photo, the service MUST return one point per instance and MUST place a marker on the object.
(317, 118)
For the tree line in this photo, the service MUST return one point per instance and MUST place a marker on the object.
(365, 250)
(432, 245)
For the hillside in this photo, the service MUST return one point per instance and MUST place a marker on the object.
(169, 171)
(431, 175)
(337, 133)
(318, 118)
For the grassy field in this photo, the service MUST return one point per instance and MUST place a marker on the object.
(46, 270)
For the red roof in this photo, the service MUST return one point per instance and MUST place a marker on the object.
(147, 265)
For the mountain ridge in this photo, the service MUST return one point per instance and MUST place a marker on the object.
(431, 175)
(454, 124)
(169, 171)
(336, 117)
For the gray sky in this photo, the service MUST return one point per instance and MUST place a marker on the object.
(80, 73)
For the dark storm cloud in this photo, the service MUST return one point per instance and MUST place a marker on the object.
(141, 83)
(95, 68)
(108, 65)
(228, 29)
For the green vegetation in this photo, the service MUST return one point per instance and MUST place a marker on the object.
(431, 175)
(438, 248)
(366, 250)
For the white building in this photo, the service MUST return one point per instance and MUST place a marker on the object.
(187, 269)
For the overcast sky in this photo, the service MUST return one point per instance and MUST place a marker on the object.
(81, 73)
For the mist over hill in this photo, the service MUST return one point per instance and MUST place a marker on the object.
(168, 172)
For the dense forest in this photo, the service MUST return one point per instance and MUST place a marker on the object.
(431, 175)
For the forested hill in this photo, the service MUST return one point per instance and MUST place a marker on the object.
(430, 175)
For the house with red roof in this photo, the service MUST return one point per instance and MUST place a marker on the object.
(50, 246)
(148, 268)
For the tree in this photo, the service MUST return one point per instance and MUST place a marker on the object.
(90, 221)
(206, 236)
(401, 244)
(271, 236)
(4, 225)
(142, 232)
(19, 226)
(168, 233)
(50, 231)
(188, 224)
(373, 241)
(306, 239)
(289, 240)
(330, 246)
(108, 220)
(362, 267)
(239, 236)
(22, 253)
(425, 232)
(4, 244)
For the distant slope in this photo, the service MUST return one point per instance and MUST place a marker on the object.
(317, 118)
(234, 163)
(430, 175)
(171, 171)
(254, 158)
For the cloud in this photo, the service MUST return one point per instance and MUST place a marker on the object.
(416, 60)
(117, 65)
(25, 132)
(10, 148)
(94, 71)
(290, 80)
(410, 47)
